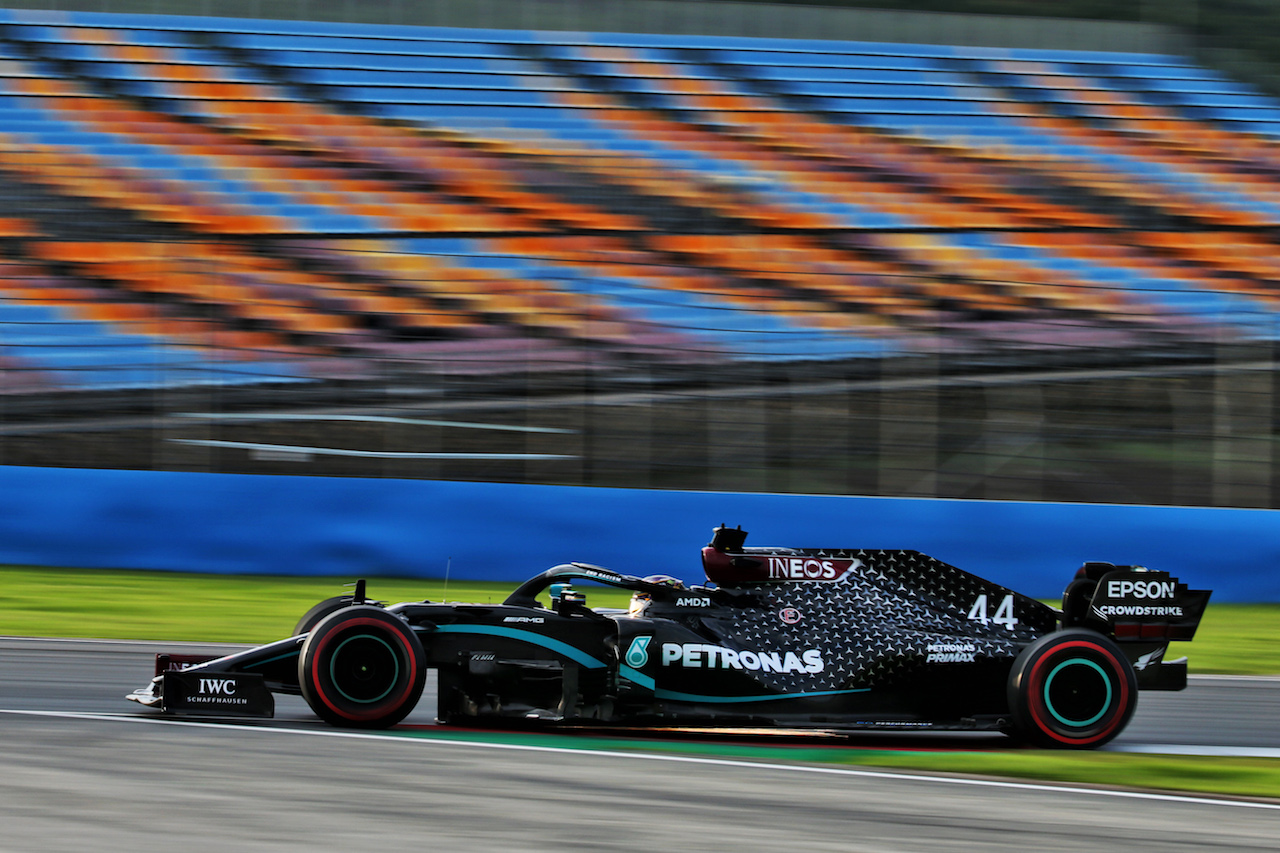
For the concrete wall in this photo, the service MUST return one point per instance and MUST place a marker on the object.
(244, 523)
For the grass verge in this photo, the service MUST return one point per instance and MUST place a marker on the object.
(138, 605)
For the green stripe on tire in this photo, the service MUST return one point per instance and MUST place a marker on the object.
(1048, 703)
(338, 652)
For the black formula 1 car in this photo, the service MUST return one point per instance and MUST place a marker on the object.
(836, 639)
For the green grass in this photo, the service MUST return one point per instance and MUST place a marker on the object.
(139, 605)
(1241, 777)
(1235, 639)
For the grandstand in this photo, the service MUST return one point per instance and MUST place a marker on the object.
(285, 207)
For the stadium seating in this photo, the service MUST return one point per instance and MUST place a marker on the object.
(261, 201)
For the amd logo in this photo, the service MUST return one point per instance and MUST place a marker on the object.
(218, 686)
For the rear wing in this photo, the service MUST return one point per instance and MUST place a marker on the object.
(1134, 603)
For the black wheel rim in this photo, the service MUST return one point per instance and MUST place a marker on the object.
(364, 668)
(1077, 693)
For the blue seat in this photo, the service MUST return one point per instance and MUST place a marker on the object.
(851, 60)
(24, 312)
(469, 46)
(1178, 85)
(340, 59)
(1227, 100)
(154, 38)
(340, 223)
(1160, 72)
(1156, 60)
(407, 95)
(858, 89)
(886, 76)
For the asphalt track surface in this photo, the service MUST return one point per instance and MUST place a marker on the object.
(80, 769)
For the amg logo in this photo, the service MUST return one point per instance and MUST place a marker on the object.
(218, 686)
(1141, 589)
(951, 653)
(532, 620)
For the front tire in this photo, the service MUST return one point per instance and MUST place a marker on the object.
(1072, 689)
(313, 616)
(362, 667)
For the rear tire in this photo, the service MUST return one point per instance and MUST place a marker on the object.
(362, 667)
(1072, 689)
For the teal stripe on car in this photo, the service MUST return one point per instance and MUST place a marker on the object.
(636, 677)
(292, 654)
(560, 648)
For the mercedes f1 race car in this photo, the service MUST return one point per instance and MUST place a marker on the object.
(834, 639)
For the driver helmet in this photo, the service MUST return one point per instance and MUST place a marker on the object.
(665, 580)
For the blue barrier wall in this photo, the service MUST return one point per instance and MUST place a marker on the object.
(240, 523)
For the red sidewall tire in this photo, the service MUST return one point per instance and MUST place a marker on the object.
(362, 667)
(1072, 689)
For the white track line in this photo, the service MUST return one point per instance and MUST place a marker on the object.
(675, 759)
